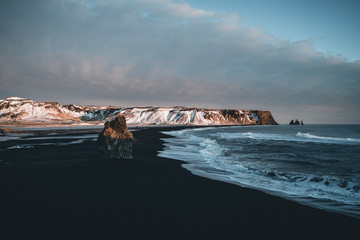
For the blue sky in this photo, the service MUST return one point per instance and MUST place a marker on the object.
(331, 25)
(280, 56)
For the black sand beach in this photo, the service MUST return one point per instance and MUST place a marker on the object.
(66, 192)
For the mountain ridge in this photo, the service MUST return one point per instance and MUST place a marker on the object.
(18, 110)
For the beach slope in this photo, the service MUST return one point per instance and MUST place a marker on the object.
(66, 191)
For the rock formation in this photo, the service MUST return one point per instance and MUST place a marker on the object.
(296, 122)
(266, 118)
(115, 141)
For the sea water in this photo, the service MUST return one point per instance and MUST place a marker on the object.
(316, 165)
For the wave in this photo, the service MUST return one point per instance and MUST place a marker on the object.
(207, 158)
(217, 155)
(328, 139)
(20, 146)
(6, 138)
(299, 137)
(61, 137)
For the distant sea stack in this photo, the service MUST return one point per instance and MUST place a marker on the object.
(296, 122)
(115, 141)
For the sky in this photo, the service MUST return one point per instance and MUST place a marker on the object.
(298, 59)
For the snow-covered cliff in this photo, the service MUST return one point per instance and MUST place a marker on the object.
(15, 109)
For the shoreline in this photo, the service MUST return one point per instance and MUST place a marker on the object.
(144, 197)
(203, 168)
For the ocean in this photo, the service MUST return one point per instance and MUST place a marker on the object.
(315, 165)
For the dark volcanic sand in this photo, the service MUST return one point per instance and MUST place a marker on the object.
(66, 192)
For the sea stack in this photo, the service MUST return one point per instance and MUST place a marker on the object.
(296, 122)
(115, 141)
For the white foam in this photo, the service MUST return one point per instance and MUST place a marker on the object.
(19, 146)
(321, 139)
(7, 138)
(11, 136)
(207, 158)
(62, 137)
(299, 137)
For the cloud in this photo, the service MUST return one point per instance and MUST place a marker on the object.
(173, 10)
(160, 52)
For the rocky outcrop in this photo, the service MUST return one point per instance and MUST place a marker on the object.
(115, 141)
(266, 118)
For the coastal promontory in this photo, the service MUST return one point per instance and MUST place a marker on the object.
(17, 110)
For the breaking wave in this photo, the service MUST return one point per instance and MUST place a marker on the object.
(321, 139)
(275, 163)
(52, 141)
(46, 144)
(298, 137)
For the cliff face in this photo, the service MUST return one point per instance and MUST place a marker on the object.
(196, 116)
(266, 118)
(25, 110)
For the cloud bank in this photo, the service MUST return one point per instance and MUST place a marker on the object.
(159, 52)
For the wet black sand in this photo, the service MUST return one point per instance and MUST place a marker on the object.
(66, 192)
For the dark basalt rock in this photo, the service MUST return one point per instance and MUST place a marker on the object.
(296, 122)
(115, 141)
